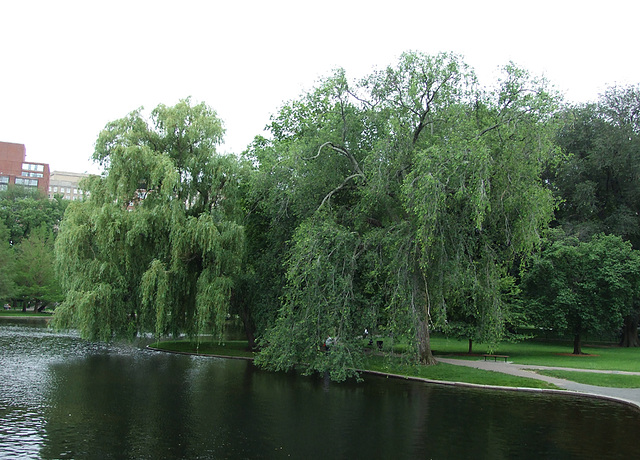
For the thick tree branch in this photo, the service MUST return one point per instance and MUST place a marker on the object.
(338, 188)
(343, 151)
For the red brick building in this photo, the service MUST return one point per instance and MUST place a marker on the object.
(14, 168)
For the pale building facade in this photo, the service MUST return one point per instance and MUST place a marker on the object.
(66, 184)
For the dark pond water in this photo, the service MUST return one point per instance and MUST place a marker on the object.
(62, 397)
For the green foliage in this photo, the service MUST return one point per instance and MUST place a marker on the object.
(34, 277)
(582, 287)
(598, 182)
(22, 211)
(7, 285)
(319, 303)
(406, 199)
(29, 222)
(157, 246)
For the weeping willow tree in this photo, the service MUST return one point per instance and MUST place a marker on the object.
(157, 246)
(478, 202)
(411, 196)
(321, 306)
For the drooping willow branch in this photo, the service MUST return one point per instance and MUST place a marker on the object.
(339, 187)
(342, 151)
(354, 163)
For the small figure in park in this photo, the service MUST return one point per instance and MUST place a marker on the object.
(366, 334)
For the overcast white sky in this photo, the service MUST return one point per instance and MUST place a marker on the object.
(69, 67)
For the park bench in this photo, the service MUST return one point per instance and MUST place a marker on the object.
(495, 357)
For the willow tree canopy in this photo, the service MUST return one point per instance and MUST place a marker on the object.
(157, 245)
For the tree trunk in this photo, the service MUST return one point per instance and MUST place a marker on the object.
(470, 346)
(424, 344)
(249, 326)
(240, 304)
(630, 332)
(420, 305)
(577, 345)
(251, 338)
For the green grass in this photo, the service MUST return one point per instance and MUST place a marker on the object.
(554, 354)
(14, 313)
(379, 363)
(450, 373)
(595, 378)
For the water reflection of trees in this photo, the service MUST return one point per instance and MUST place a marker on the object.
(166, 406)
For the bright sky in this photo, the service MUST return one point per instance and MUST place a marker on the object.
(67, 68)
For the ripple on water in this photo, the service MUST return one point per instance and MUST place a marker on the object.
(20, 431)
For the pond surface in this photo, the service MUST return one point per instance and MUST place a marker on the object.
(62, 397)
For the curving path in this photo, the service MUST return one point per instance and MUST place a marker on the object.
(627, 395)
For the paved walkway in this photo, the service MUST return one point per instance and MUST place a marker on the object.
(628, 395)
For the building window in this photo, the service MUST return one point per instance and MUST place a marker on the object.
(32, 174)
(27, 182)
(3, 187)
(55, 189)
(4, 179)
(32, 167)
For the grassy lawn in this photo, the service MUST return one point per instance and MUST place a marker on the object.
(14, 313)
(554, 354)
(594, 378)
(450, 373)
(379, 363)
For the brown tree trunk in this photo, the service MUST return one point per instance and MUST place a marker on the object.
(424, 344)
(470, 346)
(420, 304)
(577, 345)
(249, 327)
(630, 332)
(240, 305)
(251, 338)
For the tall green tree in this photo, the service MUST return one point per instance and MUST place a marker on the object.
(599, 181)
(25, 213)
(303, 190)
(580, 287)
(422, 191)
(157, 246)
(479, 202)
(34, 270)
(7, 286)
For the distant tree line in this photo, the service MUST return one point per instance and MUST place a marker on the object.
(28, 224)
(412, 201)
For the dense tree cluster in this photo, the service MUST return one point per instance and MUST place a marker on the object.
(405, 194)
(28, 225)
(597, 181)
(583, 287)
(409, 201)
